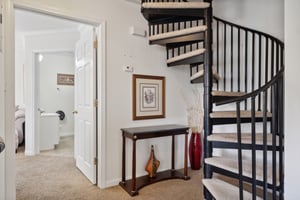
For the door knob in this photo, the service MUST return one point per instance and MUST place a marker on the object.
(75, 112)
(2, 145)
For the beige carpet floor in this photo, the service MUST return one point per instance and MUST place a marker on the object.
(52, 177)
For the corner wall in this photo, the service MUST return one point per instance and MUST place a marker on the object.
(292, 99)
(263, 15)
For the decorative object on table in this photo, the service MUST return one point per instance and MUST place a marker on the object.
(195, 121)
(148, 97)
(152, 164)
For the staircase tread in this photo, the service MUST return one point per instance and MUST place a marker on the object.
(222, 190)
(232, 114)
(231, 165)
(200, 73)
(227, 94)
(181, 32)
(186, 55)
(246, 138)
(176, 5)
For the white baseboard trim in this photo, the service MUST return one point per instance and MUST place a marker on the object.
(29, 153)
(64, 134)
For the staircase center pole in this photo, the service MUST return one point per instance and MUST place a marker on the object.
(207, 94)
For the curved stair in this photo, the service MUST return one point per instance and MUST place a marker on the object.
(184, 35)
(185, 29)
(225, 191)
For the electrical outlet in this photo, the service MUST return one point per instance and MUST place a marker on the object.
(127, 68)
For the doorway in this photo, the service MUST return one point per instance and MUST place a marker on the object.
(7, 168)
(55, 102)
(36, 45)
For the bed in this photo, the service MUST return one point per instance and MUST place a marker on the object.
(19, 125)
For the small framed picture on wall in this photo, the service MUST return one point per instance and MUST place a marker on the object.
(65, 79)
(148, 97)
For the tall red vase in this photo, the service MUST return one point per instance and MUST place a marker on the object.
(195, 151)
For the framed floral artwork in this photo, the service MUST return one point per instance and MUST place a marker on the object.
(148, 97)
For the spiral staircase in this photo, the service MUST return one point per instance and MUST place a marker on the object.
(242, 72)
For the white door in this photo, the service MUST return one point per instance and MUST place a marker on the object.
(85, 108)
(2, 117)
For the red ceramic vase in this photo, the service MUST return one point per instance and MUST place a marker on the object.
(195, 151)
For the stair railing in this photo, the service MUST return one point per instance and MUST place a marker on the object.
(275, 87)
(245, 58)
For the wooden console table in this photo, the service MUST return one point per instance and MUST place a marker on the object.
(134, 184)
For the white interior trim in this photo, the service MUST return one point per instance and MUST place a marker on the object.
(9, 98)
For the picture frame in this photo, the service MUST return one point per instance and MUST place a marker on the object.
(65, 79)
(148, 99)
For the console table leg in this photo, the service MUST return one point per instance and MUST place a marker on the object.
(173, 152)
(123, 158)
(133, 182)
(185, 155)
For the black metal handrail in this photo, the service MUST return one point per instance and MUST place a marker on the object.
(255, 92)
(251, 61)
(245, 58)
(274, 87)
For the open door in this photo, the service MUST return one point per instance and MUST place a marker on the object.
(85, 106)
(2, 114)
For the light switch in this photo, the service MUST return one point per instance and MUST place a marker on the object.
(127, 68)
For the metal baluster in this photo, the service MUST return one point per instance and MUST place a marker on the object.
(239, 144)
(231, 59)
(239, 60)
(274, 133)
(265, 147)
(259, 69)
(253, 61)
(246, 66)
(224, 69)
(253, 145)
(218, 51)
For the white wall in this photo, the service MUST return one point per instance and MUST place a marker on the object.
(125, 49)
(35, 43)
(53, 97)
(292, 99)
(19, 69)
(266, 16)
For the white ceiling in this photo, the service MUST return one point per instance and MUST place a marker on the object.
(26, 21)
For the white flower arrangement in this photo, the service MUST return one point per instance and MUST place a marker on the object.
(195, 112)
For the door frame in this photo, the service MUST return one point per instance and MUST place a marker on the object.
(9, 66)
